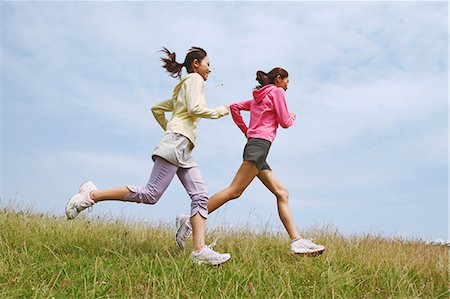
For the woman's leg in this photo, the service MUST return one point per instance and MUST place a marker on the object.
(242, 179)
(198, 224)
(110, 194)
(281, 192)
(160, 178)
(192, 181)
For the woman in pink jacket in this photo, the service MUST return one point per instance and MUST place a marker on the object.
(268, 110)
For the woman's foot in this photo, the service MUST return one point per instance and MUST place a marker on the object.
(183, 230)
(80, 201)
(305, 246)
(209, 256)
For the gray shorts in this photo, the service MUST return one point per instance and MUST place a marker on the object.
(256, 150)
(177, 149)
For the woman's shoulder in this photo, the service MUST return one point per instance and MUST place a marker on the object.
(277, 92)
(190, 80)
(193, 77)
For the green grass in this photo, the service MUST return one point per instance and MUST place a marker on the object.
(44, 257)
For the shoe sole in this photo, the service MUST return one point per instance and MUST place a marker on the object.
(69, 212)
(310, 253)
(69, 216)
(177, 228)
(205, 262)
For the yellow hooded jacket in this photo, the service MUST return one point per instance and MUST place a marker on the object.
(187, 105)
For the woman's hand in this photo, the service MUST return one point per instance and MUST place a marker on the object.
(292, 114)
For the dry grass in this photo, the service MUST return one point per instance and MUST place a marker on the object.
(44, 257)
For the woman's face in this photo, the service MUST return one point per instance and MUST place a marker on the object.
(283, 83)
(202, 68)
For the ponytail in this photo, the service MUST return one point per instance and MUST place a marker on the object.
(171, 65)
(174, 68)
(265, 79)
(261, 77)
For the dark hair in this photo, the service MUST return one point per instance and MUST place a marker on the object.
(269, 78)
(174, 68)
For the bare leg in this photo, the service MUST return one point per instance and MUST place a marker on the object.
(243, 178)
(198, 231)
(281, 192)
(110, 194)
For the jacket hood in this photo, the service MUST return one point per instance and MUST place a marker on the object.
(259, 94)
(177, 88)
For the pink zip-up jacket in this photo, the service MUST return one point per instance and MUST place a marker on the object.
(268, 109)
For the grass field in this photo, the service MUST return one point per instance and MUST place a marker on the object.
(43, 257)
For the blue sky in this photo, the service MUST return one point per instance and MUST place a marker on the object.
(368, 81)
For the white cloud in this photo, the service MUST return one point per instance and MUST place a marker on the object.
(334, 114)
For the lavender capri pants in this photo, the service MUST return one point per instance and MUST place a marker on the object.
(160, 178)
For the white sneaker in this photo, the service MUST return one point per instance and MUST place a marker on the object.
(209, 256)
(302, 246)
(81, 200)
(183, 230)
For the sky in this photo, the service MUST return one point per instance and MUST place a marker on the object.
(368, 153)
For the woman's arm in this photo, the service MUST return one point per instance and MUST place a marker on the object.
(235, 110)
(159, 112)
(284, 118)
(195, 107)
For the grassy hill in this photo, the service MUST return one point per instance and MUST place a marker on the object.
(43, 257)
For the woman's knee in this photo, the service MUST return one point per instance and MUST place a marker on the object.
(149, 196)
(282, 193)
(234, 192)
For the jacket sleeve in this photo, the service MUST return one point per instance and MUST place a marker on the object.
(159, 112)
(235, 110)
(194, 105)
(279, 103)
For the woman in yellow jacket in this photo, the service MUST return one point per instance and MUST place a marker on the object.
(173, 154)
